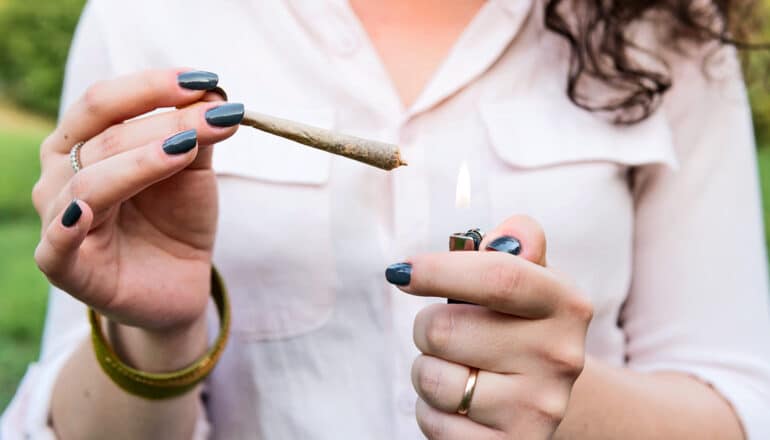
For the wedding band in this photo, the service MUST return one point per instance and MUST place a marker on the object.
(470, 387)
(75, 156)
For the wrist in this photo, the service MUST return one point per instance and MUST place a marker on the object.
(162, 354)
(158, 351)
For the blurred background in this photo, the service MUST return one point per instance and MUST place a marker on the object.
(34, 39)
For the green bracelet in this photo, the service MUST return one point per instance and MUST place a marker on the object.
(163, 385)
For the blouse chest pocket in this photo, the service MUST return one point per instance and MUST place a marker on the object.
(274, 245)
(541, 149)
(567, 168)
(532, 133)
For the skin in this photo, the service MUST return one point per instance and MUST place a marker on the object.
(536, 381)
(141, 251)
(529, 341)
(141, 254)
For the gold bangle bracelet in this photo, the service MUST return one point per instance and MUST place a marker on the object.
(163, 385)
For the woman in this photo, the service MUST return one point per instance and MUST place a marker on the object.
(652, 221)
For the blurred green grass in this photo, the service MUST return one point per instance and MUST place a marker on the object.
(22, 303)
(23, 290)
(19, 170)
(763, 159)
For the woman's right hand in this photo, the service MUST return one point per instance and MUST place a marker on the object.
(131, 234)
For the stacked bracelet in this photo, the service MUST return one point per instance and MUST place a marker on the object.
(163, 385)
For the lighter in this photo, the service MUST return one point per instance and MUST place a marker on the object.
(468, 241)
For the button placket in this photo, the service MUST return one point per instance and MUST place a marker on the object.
(411, 202)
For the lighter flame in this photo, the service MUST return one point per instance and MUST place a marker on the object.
(463, 194)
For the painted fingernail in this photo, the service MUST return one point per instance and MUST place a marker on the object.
(505, 244)
(181, 142)
(71, 214)
(197, 80)
(225, 115)
(399, 274)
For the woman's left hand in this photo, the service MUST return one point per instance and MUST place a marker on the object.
(527, 339)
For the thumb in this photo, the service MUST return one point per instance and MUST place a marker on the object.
(57, 254)
(518, 235)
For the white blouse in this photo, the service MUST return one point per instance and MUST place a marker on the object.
(659, 223)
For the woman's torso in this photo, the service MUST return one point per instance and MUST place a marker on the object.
(322, 345)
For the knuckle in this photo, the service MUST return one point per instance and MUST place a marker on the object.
(141, 161)
(432, 426)
(48, 145)
(38, 196)
(566, 359)
(427, 380)
(551, 406)
(40, 259)
(93, 98)
(79, 186)
(44, 262)
(505, 281)
(438, 330)
(109, 142)
(580, 307)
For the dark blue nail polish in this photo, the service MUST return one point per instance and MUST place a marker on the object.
(71, 214)
(399, 274)
(197, 80)
(181, 143)
(225, 115)
(505, 244)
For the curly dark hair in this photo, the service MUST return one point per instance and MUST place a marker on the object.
(603, 51)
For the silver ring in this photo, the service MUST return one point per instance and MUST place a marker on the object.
(75, 156)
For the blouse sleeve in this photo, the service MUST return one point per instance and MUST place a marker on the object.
(66, 326)
(699, 298)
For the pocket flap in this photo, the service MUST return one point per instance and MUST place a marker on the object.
(532, 132)
(258, 155)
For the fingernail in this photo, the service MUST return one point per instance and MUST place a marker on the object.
(71, 214)
(399, 274)
(181, 142)
(505, 244)
(197, 80)
(225, 115)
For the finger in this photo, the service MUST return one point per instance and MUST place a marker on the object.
(438, 425)
(108, 102)
(510, 285)
(115, 179)
(57, 253)
(441, 384)
(518, 235)
(122, 137)
(519, 404)
(215, 94)
(492, 341)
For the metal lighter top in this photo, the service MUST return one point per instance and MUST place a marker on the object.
(468, 241)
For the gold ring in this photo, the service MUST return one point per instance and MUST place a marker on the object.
(470, 387)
